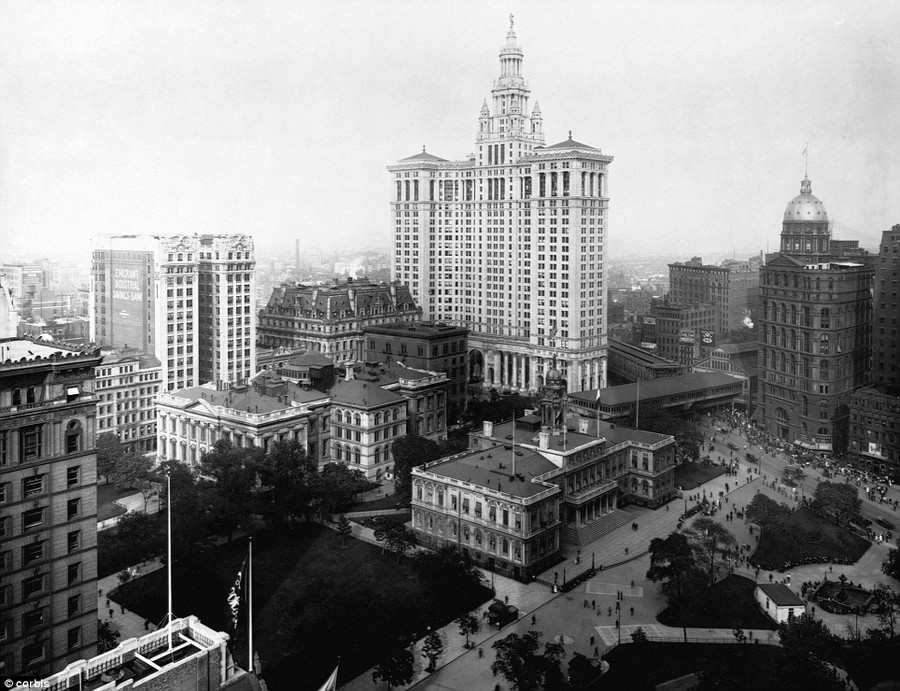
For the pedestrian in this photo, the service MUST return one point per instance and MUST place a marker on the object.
(146, 624)
(107, 602)
(596, 651)
(632, 611)
(480, 653)
(533, 620)
(592, 640)
(101, 592)
(626, 550)
(506, 599)
(609, 612)
(110, 613)
(585, 605)
(593, 604)
(123, 608)
(632, 585)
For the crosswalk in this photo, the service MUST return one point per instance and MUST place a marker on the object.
(610, 634)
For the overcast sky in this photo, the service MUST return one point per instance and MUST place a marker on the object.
(279, 118)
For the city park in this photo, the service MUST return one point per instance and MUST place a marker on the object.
(330, 584)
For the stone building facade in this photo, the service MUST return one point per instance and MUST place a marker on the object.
(48, 506)
(510, 242)
(127, 386)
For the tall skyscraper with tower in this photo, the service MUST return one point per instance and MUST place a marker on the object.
(510, 242)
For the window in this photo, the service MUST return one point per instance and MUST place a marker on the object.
(73, 541)
(30, 442)
(74, 605)
(72, 476)
(33, 653)
(73, 508)
(73, 436)
(74, 637)
(73, 570)
(33, 518)
(4, 448)
(32, 486)
(32, 619)
(33, 585)
(32, 552)
(4, 492)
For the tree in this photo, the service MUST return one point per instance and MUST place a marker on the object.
(286, 479)
(396, 538)
(447, 567)
(766, 512)
(711, 541)
(688, 435)
(344, 528)
(639, 635)
(887, 608)
(107, 637)
(130, 470)
(137, 536)
(838, 501)
(336, 485)
(228, 496)
(673, 562)
(468, 626)
(891, 565)
(109, 451)
(522, 664)
(409, 452)
(805, 636)
(396, 670)
(432, 649)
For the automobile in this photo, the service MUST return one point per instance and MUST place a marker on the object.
(733, 446)
(751, 458)
(500, 614)
(884, 523)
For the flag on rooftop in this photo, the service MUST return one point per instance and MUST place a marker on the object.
(236, 596)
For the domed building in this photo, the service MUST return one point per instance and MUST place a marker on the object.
(814, 329)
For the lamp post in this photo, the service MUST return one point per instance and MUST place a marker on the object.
(592, 561)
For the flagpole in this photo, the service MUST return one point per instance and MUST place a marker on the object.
(250, 605)
(597, 403)
(169, 558)
(514, 444)
(637, 407)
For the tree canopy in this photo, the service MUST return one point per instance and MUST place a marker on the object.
(525, 667)
(396, 670)
(838, 501)
(109, 451)
(408, 452)
(712, 542)
(766, 512)
(891, 565)
(805, 636)
(688, 435)
(673, 562)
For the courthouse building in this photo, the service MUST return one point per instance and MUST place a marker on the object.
(510, 242)
(48, 506)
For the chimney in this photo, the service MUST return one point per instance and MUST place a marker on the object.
(582, 426)
(544, 439)
(488, 428)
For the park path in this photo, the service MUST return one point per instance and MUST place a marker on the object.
(126, 622)
(131, 502)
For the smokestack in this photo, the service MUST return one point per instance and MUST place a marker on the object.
(488, 429)
(544, 439)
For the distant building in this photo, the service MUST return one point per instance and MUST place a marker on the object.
(202, 662)
(510, 241)
(127, 385)
(684, 393)
(628, 363)
(9, 311)
(526, 486)
(425, 345)
(875, 409)
(330, 319)
(684, 333)
(731, 289)
(353, 420)
(736, 358)
(48, 506)
(815, 330)
(186, 299)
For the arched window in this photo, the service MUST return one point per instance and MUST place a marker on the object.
(356, 420)
(645, 487)
(73, 436)
(794, 315)
(378, 454)
(492, 543)
(793, 364)
(825, 319)
(377, 419)
(356, 455)
(339, 452)
(782, 341)
(396, 414)
(804, 405)
(504, 546)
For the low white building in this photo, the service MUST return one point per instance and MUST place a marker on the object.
(779, 602)
(127, 385)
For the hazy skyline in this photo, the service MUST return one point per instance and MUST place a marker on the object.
(279, 118)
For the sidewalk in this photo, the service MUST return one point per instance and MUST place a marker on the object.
(126, 622)
(131, 502)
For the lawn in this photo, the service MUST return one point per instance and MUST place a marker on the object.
(870, 663)
(807, 539)
(640, 667)
(112, 558)
(106, 495)
(729, 604)
(689, 475)
(315, 597)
